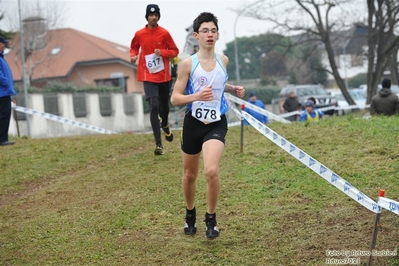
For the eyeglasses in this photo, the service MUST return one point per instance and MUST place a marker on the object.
(206, 31)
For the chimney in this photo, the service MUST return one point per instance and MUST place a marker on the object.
(35, 33)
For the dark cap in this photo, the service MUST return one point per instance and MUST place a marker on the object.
(251, 94)
(152, 8)
(386, 83)
(3, 40)
(309, 103)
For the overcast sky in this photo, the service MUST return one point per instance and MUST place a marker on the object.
(118, 20)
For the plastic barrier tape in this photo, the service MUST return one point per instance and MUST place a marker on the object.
(62, 120)
(389, 204)
(328, 108)
(311, 163)
(256, 108)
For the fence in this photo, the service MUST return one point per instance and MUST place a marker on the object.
(59, 114)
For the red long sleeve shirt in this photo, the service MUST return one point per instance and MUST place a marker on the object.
(144, 42)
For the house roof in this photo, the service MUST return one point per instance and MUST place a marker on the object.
(65, 49)
(350, 41)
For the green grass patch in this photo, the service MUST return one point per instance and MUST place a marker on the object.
(107, 200)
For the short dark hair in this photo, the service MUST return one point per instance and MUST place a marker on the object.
(386, 83)
(204, 17)
(312, 99)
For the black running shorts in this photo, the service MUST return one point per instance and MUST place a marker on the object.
(195, 133)
(152, 89)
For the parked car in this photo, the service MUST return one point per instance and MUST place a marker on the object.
(363, 87)
(304, 92)
(358, 96)
(341, 102)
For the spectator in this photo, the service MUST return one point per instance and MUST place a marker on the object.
(313, 99)
(385, 102)
(173, 66)
(6, 91)
(254, 100)
(291, 104)
(173, 70)
(310, 113)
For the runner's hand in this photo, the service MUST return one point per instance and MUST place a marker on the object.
(206, 94)
(133, 59)
(239, 91)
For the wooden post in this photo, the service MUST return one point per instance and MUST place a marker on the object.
(381, 193)
(16, 117)
(242, 132)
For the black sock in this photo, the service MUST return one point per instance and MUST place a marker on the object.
(190, 212)
(210, 216)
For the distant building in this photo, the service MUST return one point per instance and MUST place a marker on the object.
(69, 55)
(350, 49)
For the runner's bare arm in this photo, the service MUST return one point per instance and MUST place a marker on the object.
(237, 90)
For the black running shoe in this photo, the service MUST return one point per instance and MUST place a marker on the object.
(158, 150)
(212, 230)
(168, 134)
(190, 225)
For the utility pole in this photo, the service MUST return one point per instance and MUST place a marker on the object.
(235, 39)
(21, 36)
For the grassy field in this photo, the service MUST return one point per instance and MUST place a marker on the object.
(107, 200)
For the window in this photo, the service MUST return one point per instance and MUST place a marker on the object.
(51, 103)
(128, 104)
(55, 51)
(79, 104)
(113, 82)
(105, 104)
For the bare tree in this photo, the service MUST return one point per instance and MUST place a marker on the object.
(383, 20)
(53, 11)
(38, 17)
(5, 34)
(313, 21)
(312, 18)
(393, 66)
